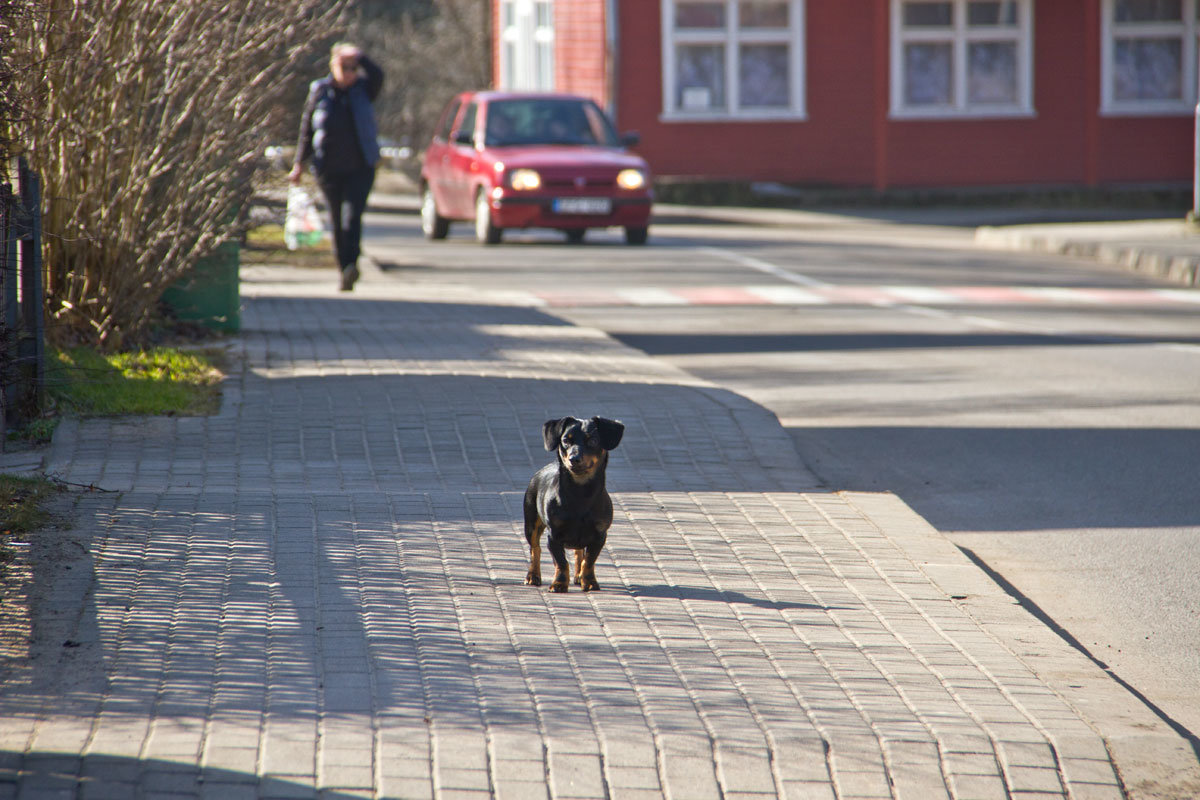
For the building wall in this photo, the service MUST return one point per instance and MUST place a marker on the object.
(849, 140)
(835, 145)
(579, 49)
(495, 29)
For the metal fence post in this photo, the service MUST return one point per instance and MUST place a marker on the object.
(22, 327)
(8, 308)
(32, 347)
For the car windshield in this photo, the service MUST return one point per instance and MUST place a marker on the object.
(545, 120)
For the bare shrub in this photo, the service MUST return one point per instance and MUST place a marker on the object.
(150, 119)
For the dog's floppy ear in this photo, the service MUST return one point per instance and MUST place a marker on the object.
(611, 432)
(552, 430)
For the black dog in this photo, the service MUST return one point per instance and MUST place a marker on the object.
(569, 498)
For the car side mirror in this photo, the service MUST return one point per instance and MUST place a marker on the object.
(630, 138)
(464, 137)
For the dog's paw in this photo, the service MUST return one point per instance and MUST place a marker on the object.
(590, 585)
(533, 579)
(559, 587)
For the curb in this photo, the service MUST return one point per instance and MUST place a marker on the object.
(1141, 258)
(1152, 759)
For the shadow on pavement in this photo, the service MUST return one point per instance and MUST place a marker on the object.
(50, 774)
(667, 344)
(678, 592)
(1018, 479)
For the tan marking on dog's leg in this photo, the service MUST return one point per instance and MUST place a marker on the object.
(559, 584)
(578, 567)
(588, 578)
(534, 576)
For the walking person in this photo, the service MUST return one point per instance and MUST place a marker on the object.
(338, 132)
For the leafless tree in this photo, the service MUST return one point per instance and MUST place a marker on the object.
(149, 119)
(429, 51)
(14, 15)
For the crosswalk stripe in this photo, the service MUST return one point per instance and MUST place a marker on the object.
(650, 296)
(1052, 294)
(922, 294)
(718, 296)
(870, 295)
(788, 295)
(1182, 295)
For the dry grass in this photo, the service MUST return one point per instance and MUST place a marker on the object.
(264, 245)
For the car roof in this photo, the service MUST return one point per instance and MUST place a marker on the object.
(488, 95)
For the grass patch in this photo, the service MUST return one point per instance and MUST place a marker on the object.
(162, 380)
(265, 245)
(21, 502)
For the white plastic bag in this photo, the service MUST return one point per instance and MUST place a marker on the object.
(303, 226)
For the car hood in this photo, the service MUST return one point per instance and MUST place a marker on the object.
(557, 157)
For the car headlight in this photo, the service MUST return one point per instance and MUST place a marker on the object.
(525, 180)
(631, 179)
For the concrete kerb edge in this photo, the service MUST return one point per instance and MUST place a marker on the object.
(763, 429)
(1182, 270)
(1152, 759)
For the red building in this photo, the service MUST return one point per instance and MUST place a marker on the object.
(877, 93)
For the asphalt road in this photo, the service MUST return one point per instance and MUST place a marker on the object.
(1042, 412)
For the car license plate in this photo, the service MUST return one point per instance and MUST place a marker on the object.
(582, 205)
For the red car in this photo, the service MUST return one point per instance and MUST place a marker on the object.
(532, 160)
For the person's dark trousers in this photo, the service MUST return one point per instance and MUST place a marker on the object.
(346, 194)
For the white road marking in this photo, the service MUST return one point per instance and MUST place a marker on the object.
(765, 266)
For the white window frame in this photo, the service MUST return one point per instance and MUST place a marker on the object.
(529, 42)
(732, 38)
(960, 35)
(1188, 29)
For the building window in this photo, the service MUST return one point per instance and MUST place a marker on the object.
(739, 59)
(962, 58)
(527, 44)
(1149, 56)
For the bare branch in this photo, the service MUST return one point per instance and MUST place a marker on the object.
(150, 117)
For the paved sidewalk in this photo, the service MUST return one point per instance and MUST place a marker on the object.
(318, 592)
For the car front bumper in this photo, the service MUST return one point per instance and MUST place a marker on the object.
(524, 211)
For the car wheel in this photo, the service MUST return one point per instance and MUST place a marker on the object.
(575, 235)
(485, 231)
(433, 224)
(636, 235)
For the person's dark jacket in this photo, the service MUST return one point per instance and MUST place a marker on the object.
(338, 129)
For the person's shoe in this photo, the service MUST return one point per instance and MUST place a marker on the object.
(349, 276)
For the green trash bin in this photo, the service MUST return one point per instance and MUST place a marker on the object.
(210, 294)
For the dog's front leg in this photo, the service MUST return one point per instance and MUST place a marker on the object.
(562, 570)
(534, 576)
(533, 534)
(578, 567)
(587, 575)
